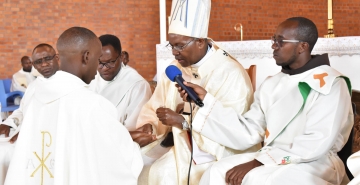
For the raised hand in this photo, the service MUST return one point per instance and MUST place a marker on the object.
(169, 117)
(201, 92)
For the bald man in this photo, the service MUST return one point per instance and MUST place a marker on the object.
(46, 62)
(71, 129)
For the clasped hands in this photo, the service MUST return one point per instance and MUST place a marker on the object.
(143, 135)
(173, 118)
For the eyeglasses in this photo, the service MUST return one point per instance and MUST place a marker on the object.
(279, 42)
(178, 48)
(47, 59)
(109, 65)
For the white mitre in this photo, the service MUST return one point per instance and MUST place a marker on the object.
(190, 18)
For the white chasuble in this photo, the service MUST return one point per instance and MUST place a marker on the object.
(303, 120)
(128, 92)
(220, 75)
(70, 135)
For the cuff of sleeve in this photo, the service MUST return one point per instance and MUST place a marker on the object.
(275, 156)
(203, 112)
(265, 158)
(10, 123)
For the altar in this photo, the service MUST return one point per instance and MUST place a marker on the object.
(344, 53)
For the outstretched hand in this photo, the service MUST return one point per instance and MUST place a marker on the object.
(169, 117)
(237, 174)
(201, 92)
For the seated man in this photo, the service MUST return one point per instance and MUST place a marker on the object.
(69, 134)
(202, 62)
(303, 114)
(126, 89)
(22, 78)
(47, 63)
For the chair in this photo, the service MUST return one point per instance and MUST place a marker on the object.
(346, 151)
(7, 97)
(252, 74)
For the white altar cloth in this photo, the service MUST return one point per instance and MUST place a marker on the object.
(344, 53)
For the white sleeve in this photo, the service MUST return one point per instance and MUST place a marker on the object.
(224, 125)
(327, 123)
(15, 119)
(140, 94)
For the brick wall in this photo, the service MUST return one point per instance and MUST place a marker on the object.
(26, 23)
(260, 18)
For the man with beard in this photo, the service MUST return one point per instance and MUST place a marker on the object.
(46, 62)
(302, 114)
(202, 62)
(22, 78)
(69, 134)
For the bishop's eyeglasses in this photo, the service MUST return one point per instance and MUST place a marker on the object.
(178, 48)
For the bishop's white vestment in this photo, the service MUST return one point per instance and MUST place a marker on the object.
(128, 92)
(304, 119)
(222, 76)
(70, 135)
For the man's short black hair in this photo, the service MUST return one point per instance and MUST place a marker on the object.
(43, 45)
(306, 31)
(24, 58)
(111, 40)
(126, 53)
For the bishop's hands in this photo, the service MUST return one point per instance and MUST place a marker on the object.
(169, 117)
(5, 129)
(200, 91)
(236, 175)
(143, 135)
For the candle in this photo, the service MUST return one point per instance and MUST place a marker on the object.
(329, 9)
(241, 32)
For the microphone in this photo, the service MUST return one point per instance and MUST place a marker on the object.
(174, 74)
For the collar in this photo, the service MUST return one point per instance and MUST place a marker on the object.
(209, 52)
(315, 61)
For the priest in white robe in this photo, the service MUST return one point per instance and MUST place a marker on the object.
(122, 85)
(22, 78)
(47, 63)
(202, 62)
(303, 114)
(69, 134)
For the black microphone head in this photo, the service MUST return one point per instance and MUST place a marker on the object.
(172, 71)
